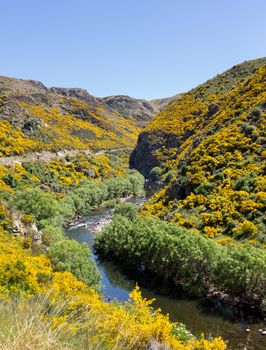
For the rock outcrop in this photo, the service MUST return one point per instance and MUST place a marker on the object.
(161, 140)
(143, 158)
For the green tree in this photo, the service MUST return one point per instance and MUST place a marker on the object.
(127, 210)
(36, 202)
(69, 255)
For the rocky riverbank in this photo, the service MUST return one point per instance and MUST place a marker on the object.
(95, 227)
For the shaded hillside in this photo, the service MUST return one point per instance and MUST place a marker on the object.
(140, 109)
(209, 150)
(34, 117)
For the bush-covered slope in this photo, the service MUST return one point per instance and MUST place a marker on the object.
(34, 117)
(49, 284)
(140, 109)
(44, 309)
(209, 150)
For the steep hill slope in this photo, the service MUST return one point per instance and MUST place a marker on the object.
(160, 103)
(49, 282)
(34, 117)
(140, 109)
(209, 150)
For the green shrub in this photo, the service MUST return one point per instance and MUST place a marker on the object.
(127, 210)
(35, 202)
(69, 255)
(244, 183)
(205, 188)
(10, 180)
(257, 112)
(247, 128)
(52, 234)
(191, 261)
(169, 176)
(155, 173)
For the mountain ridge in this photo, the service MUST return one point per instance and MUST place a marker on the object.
(140, 109)
(36, 118)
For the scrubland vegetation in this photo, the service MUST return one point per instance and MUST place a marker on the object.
(214, 171)
(42, 308)
(41, 194)
(204, 231)
(50, 291)
(52, 120)
(234, 272)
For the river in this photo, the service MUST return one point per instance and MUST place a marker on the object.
(241, 331)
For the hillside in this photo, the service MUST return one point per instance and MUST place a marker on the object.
(208, 149)
(160, 103)
(64, 154)
(54, 118)
(35, 118)
(139, 109)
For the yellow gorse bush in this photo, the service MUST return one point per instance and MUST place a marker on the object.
(132, 324)
(224, 157)
(13, 141)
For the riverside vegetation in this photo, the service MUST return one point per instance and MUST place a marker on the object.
(198, 265)
(204, 231)
(208, 152)
(49, 285)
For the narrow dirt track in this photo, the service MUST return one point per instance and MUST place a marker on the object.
(47, 156)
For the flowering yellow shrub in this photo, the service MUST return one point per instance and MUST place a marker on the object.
(224, 240)
(132, 324)
(212, 231)
(13, 141)
(5, 219)
(249, 228)
(219, 163)
(66, 130)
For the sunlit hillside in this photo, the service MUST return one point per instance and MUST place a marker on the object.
(208, 148)
(35, 118)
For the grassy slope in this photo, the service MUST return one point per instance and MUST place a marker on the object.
(214, 173)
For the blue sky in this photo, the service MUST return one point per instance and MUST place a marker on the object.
(142, 48)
